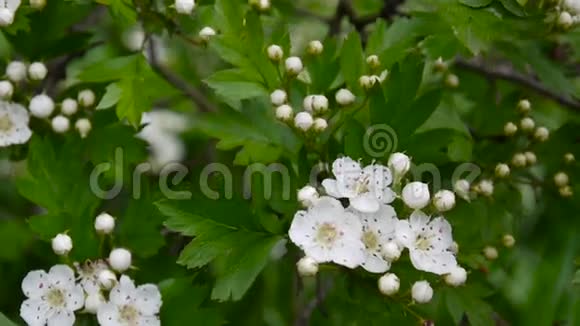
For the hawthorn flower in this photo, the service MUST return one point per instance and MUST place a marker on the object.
(293, 65)
(69, 106)
(86, 98)
(278, 97)
(389, 284)
(373, 61)
(104, 223)
(456, 276)
(490, 252)
(542, 134)
(461, 188)
(344, 97)
(399, 164)
(6, 90)
(307, 196)
(561, 179)
(107, 279)
(416, 195)
(485, 187)
(129, 305)
(275, 52)
(207, 33)
(502, 170)
(315, 47)
(6, 17)
(37, 4)
(510, 129)
(62, 244)
(89, 274)
(366, 188)
(93, 302)
(307, 266)
(444, 200)
(451, 80)
(284, 112)
(527, 124)
(565, 19)
(41, 106)
(120, 259)
(524, 106)
(37, 71)
(508, 240)
(569, 158)
(326, 232)
(16, 70)
(422, 292)
(378, 231)
(184, 7)
(428, 242)
(320, 124)
(13, 124)
(303, 121)
(83, 126)
(53, 297)
(60, 124)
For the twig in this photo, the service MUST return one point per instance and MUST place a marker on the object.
(322, 290)
(509, 74)
(188, 90)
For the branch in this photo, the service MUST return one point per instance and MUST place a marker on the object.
(187, 89)
(307, 310)
(509, 74)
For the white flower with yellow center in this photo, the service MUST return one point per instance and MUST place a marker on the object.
(89, 274)
(53, 297)
(326, 232)
(428, 242)
(13, 124)
(131, 306)
(378, 230)
(366, 188)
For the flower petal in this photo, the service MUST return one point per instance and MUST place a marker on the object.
(405, 235)
(302, 230)
(62, 276)
(35, 284)
(124, 292)
(34, 312)
(442, 230)
(374, 263)
(148, 299)
(418, 220)
(345, 166)
(108, 315)
(149, 321)
(62, 318)
(75, 298)
(348, 252)
(436, 263)
(366, 203)
(331, 188)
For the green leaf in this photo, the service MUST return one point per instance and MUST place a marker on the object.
(140, 226)
(514, 7)
(111, 69)
(134, 100)
(122, 10)
(233, 86)
(462, 300)
(15, 237)
(112, 95)
(185, 301)
(403, 83)
(4, 321)
(407, 121)
(352, 60)
(476, 3)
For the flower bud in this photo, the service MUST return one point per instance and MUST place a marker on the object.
(315, 47)
(456, 277)
(440, 65)
(485, 187)
(69, 106)
(93, 302)
(320, 124)
(6, 18)
(307, 196)
(490, 253)
(104, 223)
(307, 266)
(86, 98)
(565, 20)
(461, 188)
(107, 279)
(293, 66)
(399, 163)
(524, 106)
(275, 53)
(37, 4)
(16, 70)
(391, 251)
(566, 191)
(120, 259)
(60, 124)
(303, 121)
(502, 170)
(444, 200)
(184, 7)
(542, 134)
(416, 195)
(37, 71)
(83, 126)
(561, 179)
(531, 158)
(284, 112)
(510, 129)
(206, 33)
(452, 81)
(422, 292)
(278, 97)
(508, 240)
(344, 97)
(62, 244)
(569, 158)
(389, 284)
(519, 160)
(373, 61)
(41, 106)
(527, 124)
(6, 90)
(366, 82)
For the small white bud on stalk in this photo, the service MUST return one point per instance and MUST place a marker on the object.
(508, 240)
(344, 97)
(278, 97)
(456, 277)
(293, 66)
(400, 164)
(490, 253)
(561, 179)
(6, 90)
(206, 33)
(531, 158)
(519, 160)
(69, 106)
(421, 292)
(319, 103)
(284, 112)
(307, 266)
(510, 129)
(86, 98)
(569, 158)
(461, 188)
(373, 61)
(565, 20)
(41, 106)
(120, 259)
(315, 47)
(566, 191)
(444, 200)
(16, 70)
(389, 284)
(303, 121)
(107, 279)
(440, 65)
(502, 170)
(37, 71)
(104, 223)
(307, 196)
(83, 126)
(391, 251)
(184, 7)
(542, 134)
(62, 244)
(527, 124)
(416, 195)
(275, 52)
(366, 82)
(524, 106)
(451, 80)
(264, 5)
(6, 17)
(37, 4)
(320, 124)
(60, 124)
(485, 187)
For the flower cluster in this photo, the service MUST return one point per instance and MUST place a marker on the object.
(569, 13)
(54, 297)
(368, 231)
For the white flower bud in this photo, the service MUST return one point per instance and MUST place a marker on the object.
(456, 277)
(527, 124)
(93, 302)
(510, 129)
(399, 163)
(542, 134)
(444, 200)
(422, 292)
(284, 112)
(502, 170)
(389, 284)
(275, 52)
(524, 106)
(86, 98)
(83, 126)
(572, 5)
(6, 90)
(37, 4)
(531, 158)
(320, 124)
(366, 82)
(206, 33)
(344, 97)
(69, 106)
(294, 65)
(315, 47)
(278, 97)
(263, 5)
(104, 223)
(561, 179)
(62, 244)
(451, 80)
(307, 266)
(120, 259)
(569, 158)
(566, 191)
(373, 61)
(41, 106)
(60, 124)
(565, 19)
(490, 253)
(416, 195)
(6, 18)
(461, 188)
(184, 7)
(307, 196)
(303, 121)
(107, 279)
(508, 240)
(16, 70)
(519, 160)
(440, 65)
(37, 71)
(391, 251)
(485, 187)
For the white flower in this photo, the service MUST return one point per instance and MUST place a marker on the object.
(572, 5)
(444, 200)
(373, 61)
(365, 188)
(422, 292)
(378, 230)
(6, 90)
(264, 5)
(461, 188)
(315, 103)
(6, 17)
(16, 70)
(37, 4)
(569, 158)
(344, 97)
(389, 284)
(320, 124)
(303, 121)
(456, 276)
(86, 98)
(120, 259)
(69, 106)
(490, 253)
(184, 6)
(428, 242)
(307, 196)
(278, 97)
(315, 47)
(485, 187)
(366, 82)
(510, 129)
(275, 52)
(527, 124)
(41, 106)
(524, 106)
(62, 244)
(565, 19)
(207, 33)
(293, 65)
(89, 274)
(508, 240)
(307, 266)
(399, 164)
(161, 132)
(37, 71)
(502, 170)
(60, 124)
(416, 194)
(129, 305)
(53, 297)
(83, 126)
(328, 233)
(531, 158)
(13, 124)
(104, 223)
(519, 160)
(284, 112)
(542, 134)
(451, 80)
(561, 179)
(107, 279)
(93, 302)
(134, 38)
